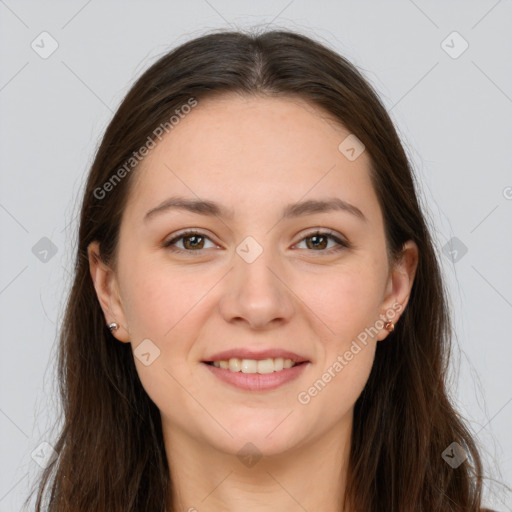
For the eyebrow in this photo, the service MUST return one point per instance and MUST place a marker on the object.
(211, 208)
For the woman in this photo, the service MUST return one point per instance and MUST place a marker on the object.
(257, 320)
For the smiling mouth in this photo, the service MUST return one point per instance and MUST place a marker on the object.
(261, 366)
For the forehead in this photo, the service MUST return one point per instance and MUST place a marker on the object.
(253, 152)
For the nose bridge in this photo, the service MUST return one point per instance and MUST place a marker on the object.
(256, 292)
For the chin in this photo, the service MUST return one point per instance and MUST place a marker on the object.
(265, 437)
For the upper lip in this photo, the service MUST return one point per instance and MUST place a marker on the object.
(245, 353)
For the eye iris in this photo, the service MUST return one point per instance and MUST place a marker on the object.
(194, 244)
(316, 237)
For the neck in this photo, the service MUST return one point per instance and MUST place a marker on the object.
(309, 477)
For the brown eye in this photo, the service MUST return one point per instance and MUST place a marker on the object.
(192, 241)
(319, 241)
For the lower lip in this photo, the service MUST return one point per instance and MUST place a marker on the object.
(257, 381)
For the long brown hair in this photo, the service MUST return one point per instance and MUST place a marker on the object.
(110, 449)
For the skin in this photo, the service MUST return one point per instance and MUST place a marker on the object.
(253, 155)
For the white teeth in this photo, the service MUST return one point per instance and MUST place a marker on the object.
(235, 365)
(249, 366)
(253, 366)
(266, 366)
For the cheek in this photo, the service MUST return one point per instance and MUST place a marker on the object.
(346, 301)
(159, 298)
(147, 307)
(331, 395)
(162, 305)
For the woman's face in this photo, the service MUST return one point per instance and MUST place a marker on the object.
(254, 279)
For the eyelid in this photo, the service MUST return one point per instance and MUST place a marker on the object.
(325, 232)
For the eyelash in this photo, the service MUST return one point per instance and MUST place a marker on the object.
(325, 233)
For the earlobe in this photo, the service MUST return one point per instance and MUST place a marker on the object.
(399, 286)
(104, 281)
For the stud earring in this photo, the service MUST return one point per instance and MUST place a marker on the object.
(390, 326)
(113, 327)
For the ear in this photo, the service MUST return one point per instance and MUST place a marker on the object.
(105, 284)
(399, 285)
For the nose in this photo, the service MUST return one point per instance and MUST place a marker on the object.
(257, 293)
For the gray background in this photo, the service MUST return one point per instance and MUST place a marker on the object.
(454, 116)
